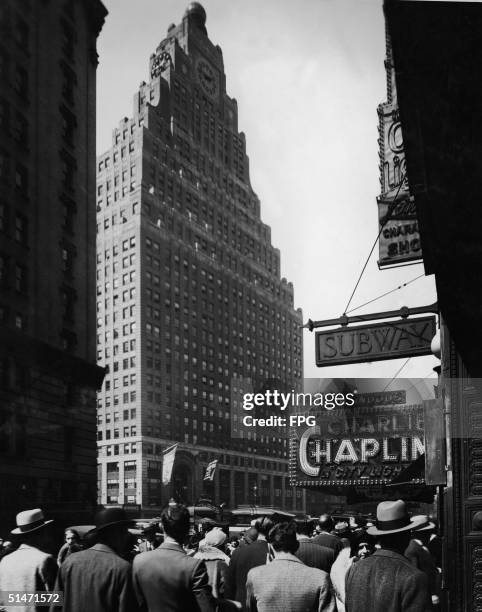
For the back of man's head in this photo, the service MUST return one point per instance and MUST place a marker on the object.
(304, 527)
(326, 522)
(264, 525)
(175, 521)
(282, 537)
(395, 541)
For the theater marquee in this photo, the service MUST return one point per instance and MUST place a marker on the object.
(399, 239)
(363, 446)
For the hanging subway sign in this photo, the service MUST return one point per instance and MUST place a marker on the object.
(358, 447)
(375, 342)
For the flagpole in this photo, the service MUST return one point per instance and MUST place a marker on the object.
(166, 450)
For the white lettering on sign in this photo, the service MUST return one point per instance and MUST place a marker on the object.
(353, 451)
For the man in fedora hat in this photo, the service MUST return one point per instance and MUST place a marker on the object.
(387, 581)
(419, 555)
(245, 558)
(99, 579)
(29, 568)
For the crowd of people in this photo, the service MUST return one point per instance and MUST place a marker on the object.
(292, 566)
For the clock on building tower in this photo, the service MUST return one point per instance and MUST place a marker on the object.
(207, 78)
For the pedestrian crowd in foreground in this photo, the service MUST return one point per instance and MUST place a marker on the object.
(296, 566)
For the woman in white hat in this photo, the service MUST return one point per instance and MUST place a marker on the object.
(215, 559)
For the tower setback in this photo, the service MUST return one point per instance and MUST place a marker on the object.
(190, 304)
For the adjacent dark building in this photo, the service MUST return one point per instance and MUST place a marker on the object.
(437, 52)
(48, 375)
(190, 303)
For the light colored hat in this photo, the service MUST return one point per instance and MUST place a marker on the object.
(428, 523)
(29, 521)
(215, 537)
(392, 517)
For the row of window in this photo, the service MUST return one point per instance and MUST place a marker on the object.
(19, 275)
(126, 346)
(116, 449)
(125, 176)
(128, 379)
(116, 433)
(105, 163)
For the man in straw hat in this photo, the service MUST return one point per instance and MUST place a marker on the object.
(29, 568)
(99, 579)
(387, 581)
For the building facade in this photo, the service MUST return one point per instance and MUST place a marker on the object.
(190, 304)
(48, 374)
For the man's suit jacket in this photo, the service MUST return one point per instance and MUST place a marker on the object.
(421, 558)
(386, 582)
(435, 548)
(315, 555)
(96, 580)
(168, 580)
(243, 559)
(27, 569)
(288, 585)
(329, 540)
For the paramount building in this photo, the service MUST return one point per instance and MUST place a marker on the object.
(189, 294)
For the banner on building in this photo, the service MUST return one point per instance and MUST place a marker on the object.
(211, 470)
(168, 458)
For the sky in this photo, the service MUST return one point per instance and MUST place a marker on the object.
(308, 76)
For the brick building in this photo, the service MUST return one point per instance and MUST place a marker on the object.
(190, 302)
(48, 375)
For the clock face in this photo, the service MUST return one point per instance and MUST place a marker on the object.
(207, 77)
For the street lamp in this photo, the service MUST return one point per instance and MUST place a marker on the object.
(255, 494)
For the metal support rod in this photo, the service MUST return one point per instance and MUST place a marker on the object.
(404, 312)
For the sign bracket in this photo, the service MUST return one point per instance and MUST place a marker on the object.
(404, 312)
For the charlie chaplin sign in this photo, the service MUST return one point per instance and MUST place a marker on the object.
(358, 446)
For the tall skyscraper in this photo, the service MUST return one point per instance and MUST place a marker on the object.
(48, 376)
(190, 302)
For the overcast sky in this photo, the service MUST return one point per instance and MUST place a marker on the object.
(308, 76)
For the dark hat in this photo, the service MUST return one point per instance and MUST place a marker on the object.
(392, 517)
(110, 517)
(29, 521)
